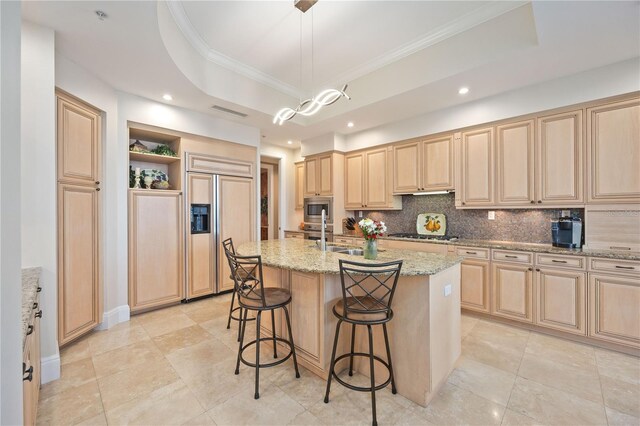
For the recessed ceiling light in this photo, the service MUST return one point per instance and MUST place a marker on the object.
(167, 97)
(101, 15)
(289, 142)
(463, 90)
(350, 124)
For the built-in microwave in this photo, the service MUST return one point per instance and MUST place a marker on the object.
(313, 207)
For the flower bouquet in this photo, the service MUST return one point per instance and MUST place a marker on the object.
(371, 230)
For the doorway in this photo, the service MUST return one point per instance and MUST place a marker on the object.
(269, 199)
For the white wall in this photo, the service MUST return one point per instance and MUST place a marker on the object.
(10, 276)
(38, 179)
(611, 80)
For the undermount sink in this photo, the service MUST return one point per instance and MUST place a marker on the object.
(353, 252)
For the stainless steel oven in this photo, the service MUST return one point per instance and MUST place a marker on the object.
(313, 207)
(313, 232)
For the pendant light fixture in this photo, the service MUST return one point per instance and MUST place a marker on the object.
(327, 97)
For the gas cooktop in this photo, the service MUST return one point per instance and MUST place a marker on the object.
(423, 237)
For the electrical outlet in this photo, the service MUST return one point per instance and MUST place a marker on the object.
(360, 213)
(447, 290)
(565, 213)
(491, 215)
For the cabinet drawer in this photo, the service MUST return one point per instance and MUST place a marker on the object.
(574, 262)
(298, 235)
(343, 240)
(512, 256)
(473, 252)
(612, 265)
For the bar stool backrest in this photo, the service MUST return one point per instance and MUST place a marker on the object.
(228, 245)
(375, 281)
(247, 277)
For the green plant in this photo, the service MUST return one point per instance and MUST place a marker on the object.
(132, 177)
(164, 150)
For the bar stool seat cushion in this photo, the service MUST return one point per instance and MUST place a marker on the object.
(356, 303)
(273, 297)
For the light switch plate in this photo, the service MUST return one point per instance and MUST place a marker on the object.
(447, 290)
(360, 213)
(491, 215)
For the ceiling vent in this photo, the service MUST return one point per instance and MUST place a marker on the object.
(229, 111)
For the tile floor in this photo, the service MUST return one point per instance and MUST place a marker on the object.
(178, 369)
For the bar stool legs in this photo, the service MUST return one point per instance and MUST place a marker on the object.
(353, 341)
(258, 316)
(386, 344)
(332, 365)
(293, 349)
(373, 378)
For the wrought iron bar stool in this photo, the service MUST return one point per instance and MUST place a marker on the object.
(228, 245)
(254, 296)
(367, 292)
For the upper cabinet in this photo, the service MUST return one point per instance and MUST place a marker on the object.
(477, 171)
(613, 149)
(367, 183)
(425, 165)
(299, 184)
(318, 179)
(559, 159)
(354, 181)
(515, 163)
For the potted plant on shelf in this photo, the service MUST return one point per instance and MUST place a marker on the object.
(371, 230)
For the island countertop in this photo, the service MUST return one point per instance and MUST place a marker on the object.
(304, 256)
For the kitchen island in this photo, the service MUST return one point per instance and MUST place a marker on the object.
(424, 332)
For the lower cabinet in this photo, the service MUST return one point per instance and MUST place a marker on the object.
(305, 313)
(614, 309)
(273, 277)
(512, 291)
(561, 301)
(31, 369)
(475, 285)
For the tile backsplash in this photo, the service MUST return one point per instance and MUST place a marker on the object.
(521, 225)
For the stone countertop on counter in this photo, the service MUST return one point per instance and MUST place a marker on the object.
(304, 256)
(531, 247)
(30, 281)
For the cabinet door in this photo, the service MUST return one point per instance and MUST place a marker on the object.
(299, 181)
(376, 184)
(201, 271)
(515, 163)
(311, 186)
(561, 300)
(354, 181)
(325, 176)
(29, 401)
(236, 217)
(512, 292)
(437, 164)
(156, 258)
(613, 141)
(78, 142)
(614, 309)
(559, 159)
(79, 293)
(406, 168)
(477, 168)
(475, 285)
(306, 290)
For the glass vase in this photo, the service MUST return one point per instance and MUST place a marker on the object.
(371, 249)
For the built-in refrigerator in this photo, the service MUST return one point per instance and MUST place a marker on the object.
(219, 207)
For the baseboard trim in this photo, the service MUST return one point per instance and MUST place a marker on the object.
(50, 368)
(114, 316)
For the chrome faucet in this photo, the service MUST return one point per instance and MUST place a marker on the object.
(323, 241)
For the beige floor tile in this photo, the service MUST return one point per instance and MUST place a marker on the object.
(513, 418)
(552, 406)
(483, 380)
(347, 409)
(169, 405)
(410, 417)
(72, 375)
(273, 407)
(305, 419)
(99, 420)
(200, 304)
(182, 338)
(75, 351)
(108, 340)
(135, 382)
(306, 390)
(207, 313)
(71, 406)
(466, 325)
(175, 321)
(561, 351)
(158, 314)
(581, 382)
(618, 366)
(201, 420)
(192, 361)
(135, 355)
(616, 418)
(621, 396)
(454, 405)
(496, 345)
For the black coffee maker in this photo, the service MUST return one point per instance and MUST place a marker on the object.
(566, 232)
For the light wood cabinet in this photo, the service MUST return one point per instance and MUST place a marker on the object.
(354, 170)
(79, 290)
(299, 185)
(561, 300)
(477, 169)
(318, 175)
(156, 256)
(273, 278)
(201, 271)
(367, 181)
(512, 291)
(613, 149)
(515, 163)
(31, 369)
(475, 285)
(614, 309)
(560, 159)
(292, 234)
(237, 220)
(425, 165)
(306, 313)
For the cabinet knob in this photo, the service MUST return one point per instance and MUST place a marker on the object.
(29, 330)
(533, 202)
(27, 373)
(35, 306)
(537, 269)
(530, 269)
(39, 314)
(97, 189)
(97, 182)
(539, 201)
(463, 203)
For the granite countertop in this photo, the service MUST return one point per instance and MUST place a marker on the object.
(531, 247)
(30, 281)
(304, 256)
